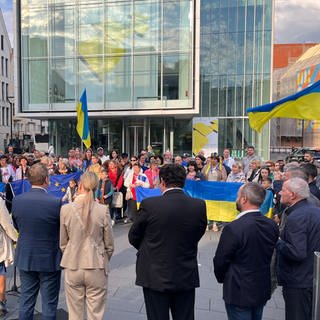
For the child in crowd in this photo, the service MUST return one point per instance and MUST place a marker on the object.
(71, 191)
(266, 183)
(269, 201)
(105, 189)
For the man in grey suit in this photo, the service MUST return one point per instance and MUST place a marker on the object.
(166, 234)
(36, 215)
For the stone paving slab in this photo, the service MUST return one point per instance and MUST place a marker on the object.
(125, 300)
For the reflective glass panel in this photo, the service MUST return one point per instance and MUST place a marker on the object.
(146, 70)
(91, 78)
(63, 30)
(147, 17)
(177, 25)
(118, 27)
(176, 76)
(63, 79)
(91, 33)
(38, 82)
(119, 79)
(34, 29)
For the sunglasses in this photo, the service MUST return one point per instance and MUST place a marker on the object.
(133, 160)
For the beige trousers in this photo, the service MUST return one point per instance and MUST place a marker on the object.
(85, 288)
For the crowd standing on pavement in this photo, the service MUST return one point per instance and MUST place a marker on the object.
(114, 178)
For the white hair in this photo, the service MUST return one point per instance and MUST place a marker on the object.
(299, 187)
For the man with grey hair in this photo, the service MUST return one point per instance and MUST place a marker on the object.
(291, 171)
(243, 257)
(295, 247)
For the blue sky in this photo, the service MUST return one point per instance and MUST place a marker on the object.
(6, 7)
(296, 21)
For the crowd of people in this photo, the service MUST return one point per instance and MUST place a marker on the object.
(78, 236)
(119, 173)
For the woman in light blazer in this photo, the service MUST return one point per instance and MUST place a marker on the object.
(86, 241)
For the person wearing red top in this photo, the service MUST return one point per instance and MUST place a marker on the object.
(116, 178)
(153, 174)
(115, 175)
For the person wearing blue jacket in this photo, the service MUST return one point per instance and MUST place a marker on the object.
(298, 241)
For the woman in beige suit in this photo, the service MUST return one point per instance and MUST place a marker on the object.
(86, 241)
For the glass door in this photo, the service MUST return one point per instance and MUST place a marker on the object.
(134, 140)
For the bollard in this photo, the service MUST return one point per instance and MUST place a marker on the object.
(316, 287)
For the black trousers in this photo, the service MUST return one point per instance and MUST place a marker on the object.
(132, 209)
(158, 304)
(298, 303)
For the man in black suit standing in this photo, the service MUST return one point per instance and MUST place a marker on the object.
(36, 215)
(298, 241)
(166, 234)
(243, 257)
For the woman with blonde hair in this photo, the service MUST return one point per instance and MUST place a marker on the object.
(86, 241)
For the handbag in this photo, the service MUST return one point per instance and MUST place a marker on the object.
(129, 194)
(117, 200)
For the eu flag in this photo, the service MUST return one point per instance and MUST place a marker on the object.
(59, 183)
(83, 120)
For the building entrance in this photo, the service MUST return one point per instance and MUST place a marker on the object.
(135, 139)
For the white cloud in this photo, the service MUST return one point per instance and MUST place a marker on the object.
(297, 21)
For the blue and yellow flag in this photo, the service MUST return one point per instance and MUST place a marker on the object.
(220, 198)
(83, 120)
(302, 105)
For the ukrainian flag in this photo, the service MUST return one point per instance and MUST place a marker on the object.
(220, 197)
(83, 120)
(267, 205)
(302, 105)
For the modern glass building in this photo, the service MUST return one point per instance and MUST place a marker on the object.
(149, 67)
(235, 62)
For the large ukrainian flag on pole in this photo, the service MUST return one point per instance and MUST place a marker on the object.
(83, 120)
(302, 105)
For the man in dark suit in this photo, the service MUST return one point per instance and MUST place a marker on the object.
(36, 217)
(243, 257)
(299, 239)
(166, 234)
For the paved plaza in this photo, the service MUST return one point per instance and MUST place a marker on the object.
(125, 300)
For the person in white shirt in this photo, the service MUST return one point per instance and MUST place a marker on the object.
(227, 159)
(7, 172)
(101, 155)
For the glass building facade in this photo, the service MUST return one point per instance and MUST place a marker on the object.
(127, 54)
(235, 62)
(144, 70)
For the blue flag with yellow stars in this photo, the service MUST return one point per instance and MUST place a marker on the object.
(58, 184)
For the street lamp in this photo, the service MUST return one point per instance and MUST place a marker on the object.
(10, 99)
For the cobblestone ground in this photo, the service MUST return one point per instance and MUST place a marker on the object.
(125, 300)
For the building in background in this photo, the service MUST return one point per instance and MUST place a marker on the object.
(6, 86)
(18, 132)
(149, 69)
(296, 66)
